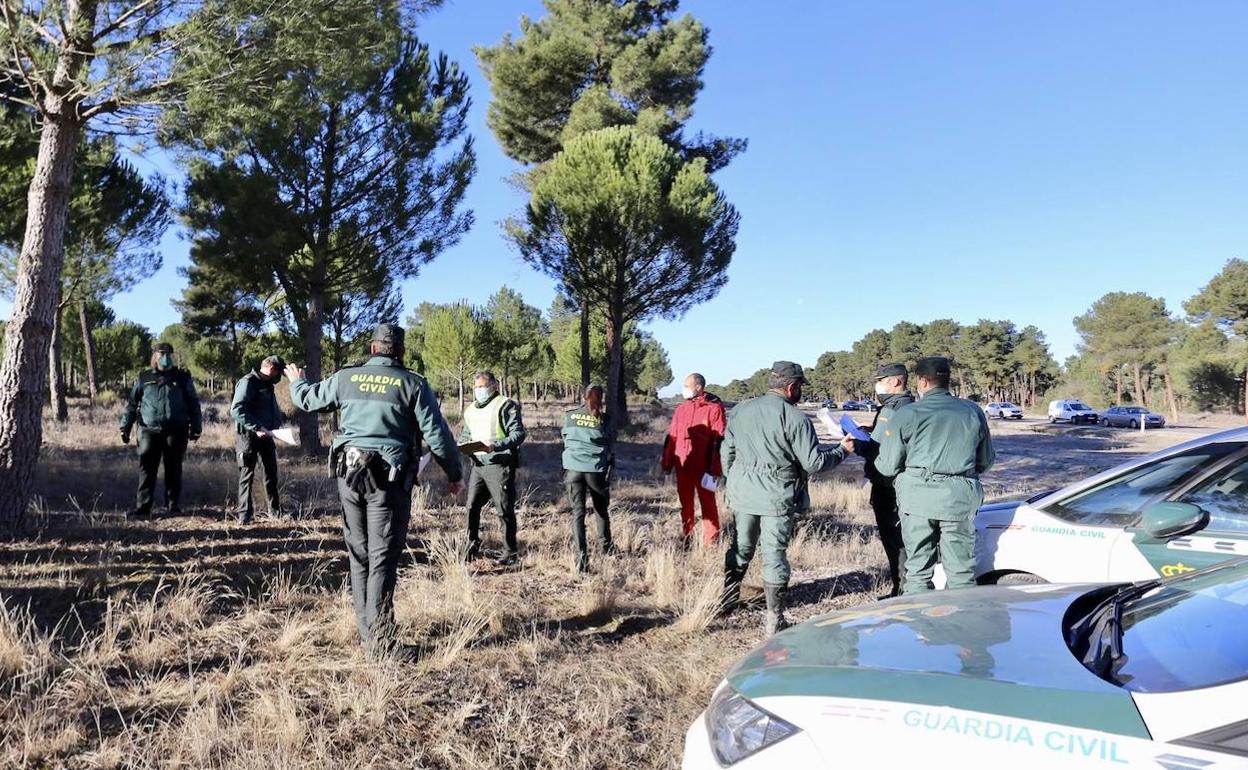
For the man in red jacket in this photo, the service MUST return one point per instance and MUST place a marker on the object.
(692, 450)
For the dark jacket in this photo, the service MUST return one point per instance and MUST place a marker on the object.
(869, 450)
(163, 402)
(255, 404)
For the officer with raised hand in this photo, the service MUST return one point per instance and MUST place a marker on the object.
(770, 451)
(384, 411)
(256, 415)
(936, 449)
(891, 392)
(165, 406)
(494, 421)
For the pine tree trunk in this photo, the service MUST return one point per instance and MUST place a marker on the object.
(585, 362)
(35, 298)
(1174, 406)
(310, 422)
(1139, 385)
(56, 369)
(615, 373)
(88, 352)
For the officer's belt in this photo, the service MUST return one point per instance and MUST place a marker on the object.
(930, 475)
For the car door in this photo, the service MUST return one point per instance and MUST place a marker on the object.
(1220, 487)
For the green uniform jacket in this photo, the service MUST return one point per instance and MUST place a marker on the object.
(163, 401)
(506, 449)
(770, 450)
(869, 450)
(937, 448)
(255, 405)
(383, 407)
(587, 441)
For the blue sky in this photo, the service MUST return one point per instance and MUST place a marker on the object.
(914, 160)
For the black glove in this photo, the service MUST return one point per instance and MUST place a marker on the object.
(125, 435)
(194, 435)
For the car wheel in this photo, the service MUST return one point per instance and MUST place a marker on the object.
(1105, 422)
(1133, 425)
(1020, 579)
(1052, 419)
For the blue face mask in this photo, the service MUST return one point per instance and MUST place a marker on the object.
(165, 361)
(482, 394)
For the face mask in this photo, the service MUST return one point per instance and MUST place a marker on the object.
(687, 393)
(881, 389)
(165, 361)
(482, 394)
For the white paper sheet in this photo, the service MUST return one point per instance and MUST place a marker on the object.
(285, 435)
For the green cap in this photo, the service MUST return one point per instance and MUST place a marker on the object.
(787, 371)
(933, 366)
(392, 333)
(891, 370)
(163, 347)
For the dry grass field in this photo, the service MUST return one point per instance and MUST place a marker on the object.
(192, 641)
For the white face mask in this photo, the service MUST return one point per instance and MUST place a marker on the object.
(687, 393)
(482, 394)
(881, 389)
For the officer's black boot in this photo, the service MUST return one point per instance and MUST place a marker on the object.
(775, 620)
(731, 596)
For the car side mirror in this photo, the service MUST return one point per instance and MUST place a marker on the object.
(1166, 520)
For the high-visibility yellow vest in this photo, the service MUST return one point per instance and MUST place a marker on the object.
(485, 423)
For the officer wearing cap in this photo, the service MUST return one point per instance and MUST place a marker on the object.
(769, 452)
(936, 449)
(891, 392)
(165, 406)
(384, 411)
(256, 416)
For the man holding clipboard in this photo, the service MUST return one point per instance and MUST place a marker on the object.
(891, 391)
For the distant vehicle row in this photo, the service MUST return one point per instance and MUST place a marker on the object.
(1075, 412)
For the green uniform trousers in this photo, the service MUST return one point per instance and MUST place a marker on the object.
(953, 541)
(374, 525)
(155, 447)
(496, 483)
(771, 535)
(582, 484)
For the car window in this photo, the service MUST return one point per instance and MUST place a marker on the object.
(1116, 502)
(1225, 497)
(1161, 630)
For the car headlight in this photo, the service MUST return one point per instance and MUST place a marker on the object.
(738, 728)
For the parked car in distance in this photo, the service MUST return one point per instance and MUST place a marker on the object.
(1072, 411)
(829, 404)
(851, 406)
(1131, 417)
(1003, 410)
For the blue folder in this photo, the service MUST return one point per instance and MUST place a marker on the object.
(853, 430)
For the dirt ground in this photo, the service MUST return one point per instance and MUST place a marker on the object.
(191, 641)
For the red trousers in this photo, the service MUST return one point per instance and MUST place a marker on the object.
(689, 486)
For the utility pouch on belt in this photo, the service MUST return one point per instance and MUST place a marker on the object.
(356, 472)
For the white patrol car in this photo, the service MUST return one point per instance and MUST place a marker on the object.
(1171, 512)
(1146, 675)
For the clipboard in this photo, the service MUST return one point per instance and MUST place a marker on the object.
(853, 429)
(471, 448)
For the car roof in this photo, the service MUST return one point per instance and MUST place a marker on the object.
(1221, 437)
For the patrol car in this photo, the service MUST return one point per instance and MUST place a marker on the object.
(1148, 675)
(1171, 512)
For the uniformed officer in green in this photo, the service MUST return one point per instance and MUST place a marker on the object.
(892, 394)
(588, 457)
(937, 448)
(165, 406)
(494, 420)
(769, 452)
(256, 415)
(384, 410)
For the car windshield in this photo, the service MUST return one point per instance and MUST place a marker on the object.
(1080, 407)
(1137, 410)
(1186, 633)
(1008, 406)
(1117, 501)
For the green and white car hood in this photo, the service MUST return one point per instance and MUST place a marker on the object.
(997, 650)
